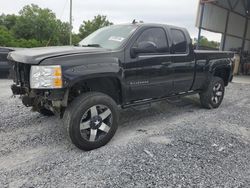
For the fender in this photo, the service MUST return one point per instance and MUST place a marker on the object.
(84, 72)
(77, 68)
(220, 64)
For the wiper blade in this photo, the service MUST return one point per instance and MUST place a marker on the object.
(92, 45)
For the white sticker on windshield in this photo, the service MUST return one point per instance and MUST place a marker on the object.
(117, 39)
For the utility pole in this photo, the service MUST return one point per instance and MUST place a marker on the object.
(70, 23)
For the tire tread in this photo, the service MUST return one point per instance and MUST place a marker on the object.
(75, 106)
(205, 96)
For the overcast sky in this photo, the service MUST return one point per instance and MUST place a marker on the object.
(176, 12)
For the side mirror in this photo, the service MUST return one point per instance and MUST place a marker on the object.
(143, 47)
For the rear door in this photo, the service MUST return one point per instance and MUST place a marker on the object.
(183, 62)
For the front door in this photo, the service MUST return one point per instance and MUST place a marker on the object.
(152, 71)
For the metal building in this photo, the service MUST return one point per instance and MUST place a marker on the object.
(231, 18)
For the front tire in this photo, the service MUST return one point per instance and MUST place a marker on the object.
(91, 120)
(212, 97)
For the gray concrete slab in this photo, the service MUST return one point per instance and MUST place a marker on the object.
(241, 79)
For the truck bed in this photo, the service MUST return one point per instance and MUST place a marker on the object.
(201, 54)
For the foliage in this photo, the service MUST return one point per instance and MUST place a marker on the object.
(8, 20)
(34, 27)
(6, 38)
(76, 39)
(37, 23)
(90, 26)
(204, 42)
(62, 33)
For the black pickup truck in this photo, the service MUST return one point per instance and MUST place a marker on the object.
(119, 66)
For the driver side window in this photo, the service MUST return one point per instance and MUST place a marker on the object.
(156, 36)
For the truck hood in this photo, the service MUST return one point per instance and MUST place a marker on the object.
(36, 55)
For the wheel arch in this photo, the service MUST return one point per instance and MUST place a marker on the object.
(221, 68)
(223, 72)
(110, 85)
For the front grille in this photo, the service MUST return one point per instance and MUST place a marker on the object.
(21, 74)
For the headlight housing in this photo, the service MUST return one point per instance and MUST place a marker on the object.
(46, 77)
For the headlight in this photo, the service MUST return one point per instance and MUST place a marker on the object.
(46, 77)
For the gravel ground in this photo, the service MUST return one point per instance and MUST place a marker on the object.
(172, 144)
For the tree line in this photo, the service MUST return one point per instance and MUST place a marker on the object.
(204, 42)
(36, 27)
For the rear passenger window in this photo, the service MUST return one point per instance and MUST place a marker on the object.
(179, 40)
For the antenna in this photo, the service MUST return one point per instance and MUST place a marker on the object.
(70, 23)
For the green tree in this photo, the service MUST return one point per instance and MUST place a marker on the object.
(76, 39)
(6, 38)
(62, 33)
(36, 23)
(8, 20)
(90, 26)
(204, 42)
(34, 27)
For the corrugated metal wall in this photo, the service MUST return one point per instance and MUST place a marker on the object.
(228, 18)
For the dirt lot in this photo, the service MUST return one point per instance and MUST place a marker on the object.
(175, 144)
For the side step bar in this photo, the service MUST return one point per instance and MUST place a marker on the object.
(149, 101)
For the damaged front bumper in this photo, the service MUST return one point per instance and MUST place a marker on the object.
(54, 100)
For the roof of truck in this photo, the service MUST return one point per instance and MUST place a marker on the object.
(154, 25)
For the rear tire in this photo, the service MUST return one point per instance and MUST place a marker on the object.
(212, 97)
(91, 120)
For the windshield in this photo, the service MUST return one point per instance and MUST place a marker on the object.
(111, 37)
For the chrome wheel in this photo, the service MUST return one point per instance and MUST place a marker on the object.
(96, 123)
(212, 96)
(217, 93)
